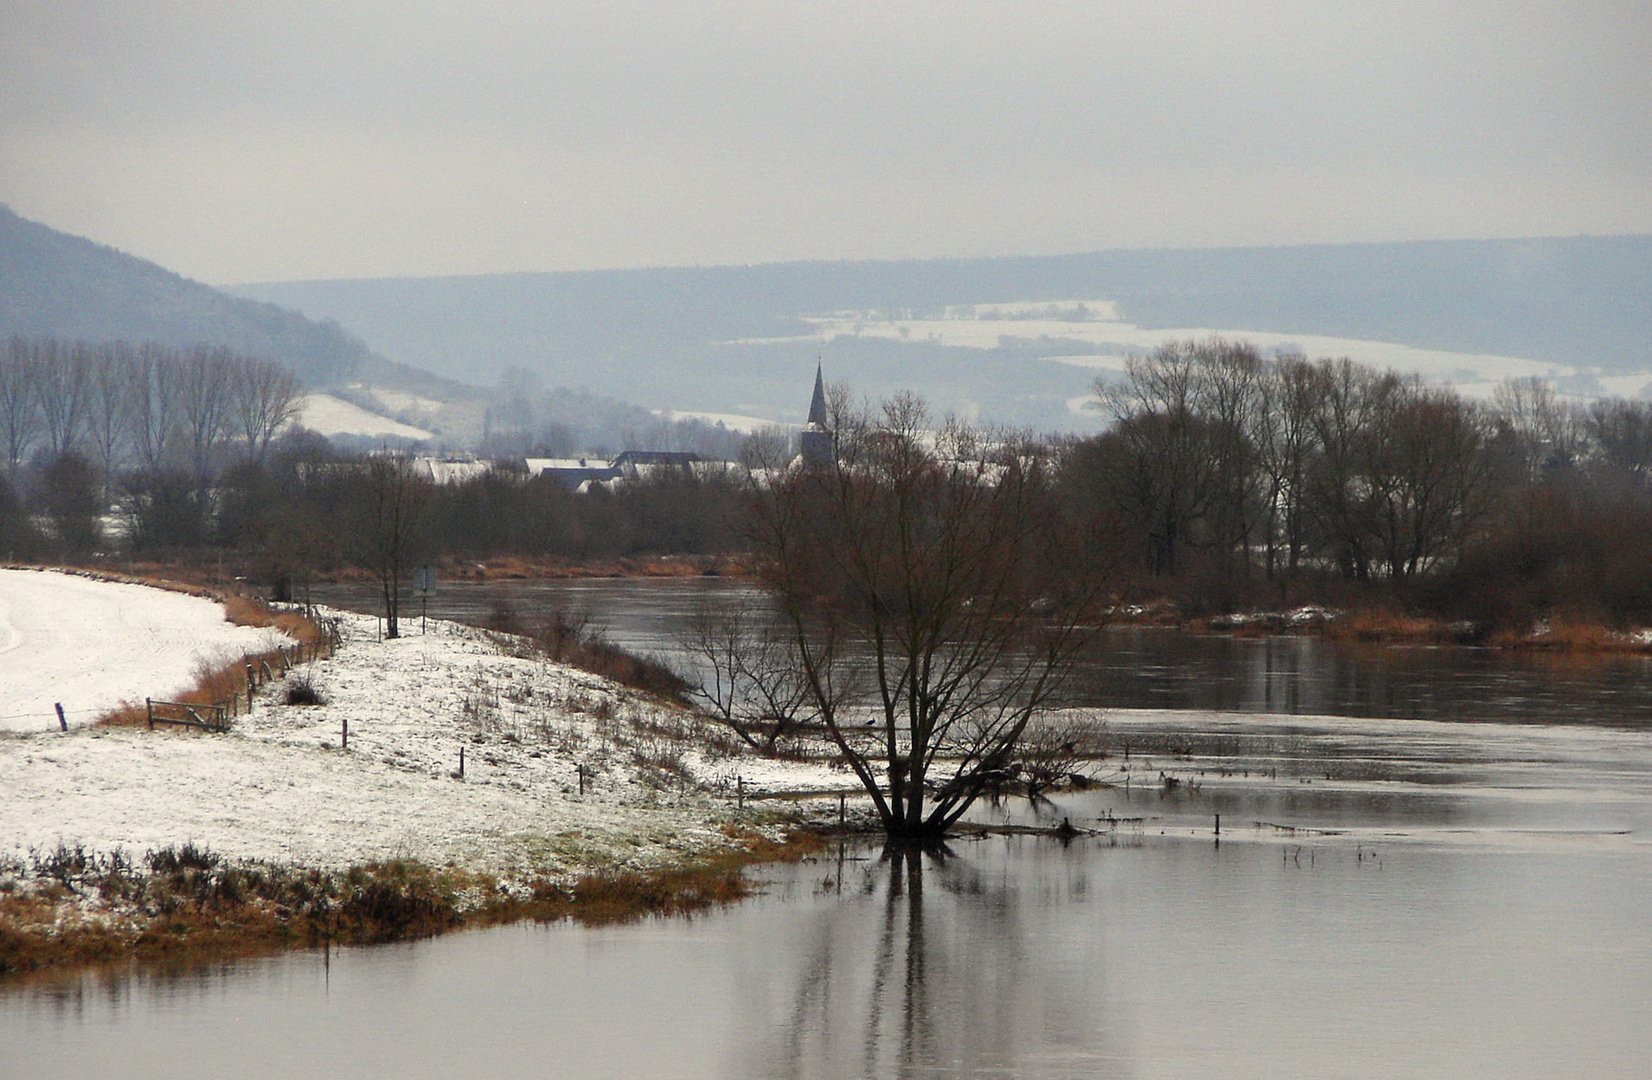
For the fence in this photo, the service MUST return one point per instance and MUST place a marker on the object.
(257, 671)
(186, 714)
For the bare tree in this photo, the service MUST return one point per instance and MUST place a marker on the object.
(1622, 430)
(1286, 449)
(1159, 467)
(933, 600)
(1351, 404)
(1064, 747)
(64, 379)
(1425, 477)
(1234, 399)
(1544, 431)
(19, 401)
(204, 404)
(264, 399)
(109, 404)
(154, 394)
(391, 507)
(750, 676)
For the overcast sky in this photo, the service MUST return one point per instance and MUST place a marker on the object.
(246, 141)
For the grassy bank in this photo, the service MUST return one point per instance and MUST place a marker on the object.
(71, 907)
(1386, 625)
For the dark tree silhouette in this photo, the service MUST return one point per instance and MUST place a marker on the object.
(933, 600)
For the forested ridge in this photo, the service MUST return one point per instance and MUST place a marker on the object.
(53, 285)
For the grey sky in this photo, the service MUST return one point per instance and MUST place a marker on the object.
(261, 140)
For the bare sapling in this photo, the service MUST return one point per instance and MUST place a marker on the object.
(751, 679)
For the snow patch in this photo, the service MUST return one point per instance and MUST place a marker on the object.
(280, 786)
(330, 416)
(92, 644)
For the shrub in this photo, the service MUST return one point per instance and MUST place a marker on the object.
(301, 690)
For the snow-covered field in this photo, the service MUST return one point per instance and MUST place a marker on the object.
(328, 415)
(733, 421)
(1095, 323)
(91, 645)
(280, 787)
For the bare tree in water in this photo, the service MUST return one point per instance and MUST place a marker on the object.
(935, 604)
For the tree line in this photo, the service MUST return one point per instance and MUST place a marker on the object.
(1225, 471)
(1225, 479)
(145, 405)
(84, 424)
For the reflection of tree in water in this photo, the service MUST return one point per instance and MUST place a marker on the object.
(927, 965)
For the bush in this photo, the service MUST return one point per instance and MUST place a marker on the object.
(566, 637)
(301, 690)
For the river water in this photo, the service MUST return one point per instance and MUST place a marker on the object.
(1464, 895)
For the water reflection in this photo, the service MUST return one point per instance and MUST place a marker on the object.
(1018, 957)
(928, 965)
(1388, 899)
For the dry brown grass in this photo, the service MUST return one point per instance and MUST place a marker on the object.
(192, 907)
(1571, 634)
(1387, 626)
(225, 682)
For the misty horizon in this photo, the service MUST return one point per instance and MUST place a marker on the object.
(370, 140)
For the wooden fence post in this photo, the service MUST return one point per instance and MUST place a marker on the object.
(62, 722)
(149, 707)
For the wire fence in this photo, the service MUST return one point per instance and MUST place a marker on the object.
(237, 682)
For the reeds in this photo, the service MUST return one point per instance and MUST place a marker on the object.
(567, 638)
(1386, 625)
(70, 907)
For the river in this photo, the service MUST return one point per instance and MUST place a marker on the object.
(1459, 888)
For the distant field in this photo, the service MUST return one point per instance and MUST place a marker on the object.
(744, 340)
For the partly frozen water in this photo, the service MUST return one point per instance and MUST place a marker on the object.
(1445, 897)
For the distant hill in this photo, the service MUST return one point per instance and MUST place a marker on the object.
(56, 285)
(732, 338)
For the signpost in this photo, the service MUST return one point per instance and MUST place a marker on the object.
(424, 586)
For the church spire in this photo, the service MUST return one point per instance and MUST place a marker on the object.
(817, 406)
(815, 440)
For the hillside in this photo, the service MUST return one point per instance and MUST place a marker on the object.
(56, 285)
(735, 338)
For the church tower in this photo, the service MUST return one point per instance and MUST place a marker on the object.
(815, 442)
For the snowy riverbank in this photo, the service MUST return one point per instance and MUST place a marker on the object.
(280, 788)
(91, 644)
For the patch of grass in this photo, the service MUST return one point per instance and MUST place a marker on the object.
(188, 905)
(224, 681)
(1569, 633)
(567, 638)
(1374, 625)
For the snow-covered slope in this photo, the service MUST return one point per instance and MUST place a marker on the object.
(280, 787)
(330, 416)
(1054, 333)
(90, 645)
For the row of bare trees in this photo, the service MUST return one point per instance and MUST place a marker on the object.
(1266, 464)
(144, 406)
